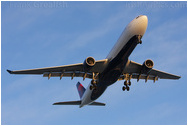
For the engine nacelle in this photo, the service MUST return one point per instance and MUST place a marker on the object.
(147, 66)
(89, 63)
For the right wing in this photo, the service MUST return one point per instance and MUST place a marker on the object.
(134, 69)
(74, 70)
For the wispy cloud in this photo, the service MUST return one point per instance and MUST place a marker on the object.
(54, 36)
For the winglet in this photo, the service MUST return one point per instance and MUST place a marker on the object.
(10, 72)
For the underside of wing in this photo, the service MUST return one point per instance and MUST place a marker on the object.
(134, 70)
(74, 70)
(73, 67)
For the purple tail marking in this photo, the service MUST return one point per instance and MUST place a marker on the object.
(81, 89)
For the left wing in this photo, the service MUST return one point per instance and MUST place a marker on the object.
(74, 70)
(133, 70)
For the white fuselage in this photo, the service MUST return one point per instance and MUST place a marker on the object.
(137, 26)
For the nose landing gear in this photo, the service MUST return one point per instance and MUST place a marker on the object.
(139, 39)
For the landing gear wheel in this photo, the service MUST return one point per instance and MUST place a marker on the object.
(91, 87)
(127, 88)
(140, 42)
(95, 85)
(125, 83)
(123, 88)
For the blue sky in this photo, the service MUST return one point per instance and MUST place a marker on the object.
(44, 34)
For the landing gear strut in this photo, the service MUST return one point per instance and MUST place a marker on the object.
(127, 84)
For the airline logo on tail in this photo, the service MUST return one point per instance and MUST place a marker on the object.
(81, 89)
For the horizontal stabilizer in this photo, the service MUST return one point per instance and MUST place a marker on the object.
(68, 103)
(97, 104)
(78, 103)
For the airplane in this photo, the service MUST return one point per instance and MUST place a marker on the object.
(103, 73)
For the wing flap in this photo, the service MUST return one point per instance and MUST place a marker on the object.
(68, 74)
(142, 76)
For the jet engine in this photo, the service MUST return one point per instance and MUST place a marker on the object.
(89, 63)
(147, 66)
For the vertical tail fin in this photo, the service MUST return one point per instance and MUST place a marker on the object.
(81, 89)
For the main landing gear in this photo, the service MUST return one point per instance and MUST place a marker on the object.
(93, 85)
(127, 84)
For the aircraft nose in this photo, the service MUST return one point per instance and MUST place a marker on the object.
(144, 19)
(141, 23)
(142, 16)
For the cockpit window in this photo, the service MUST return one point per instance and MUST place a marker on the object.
(139, 16)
